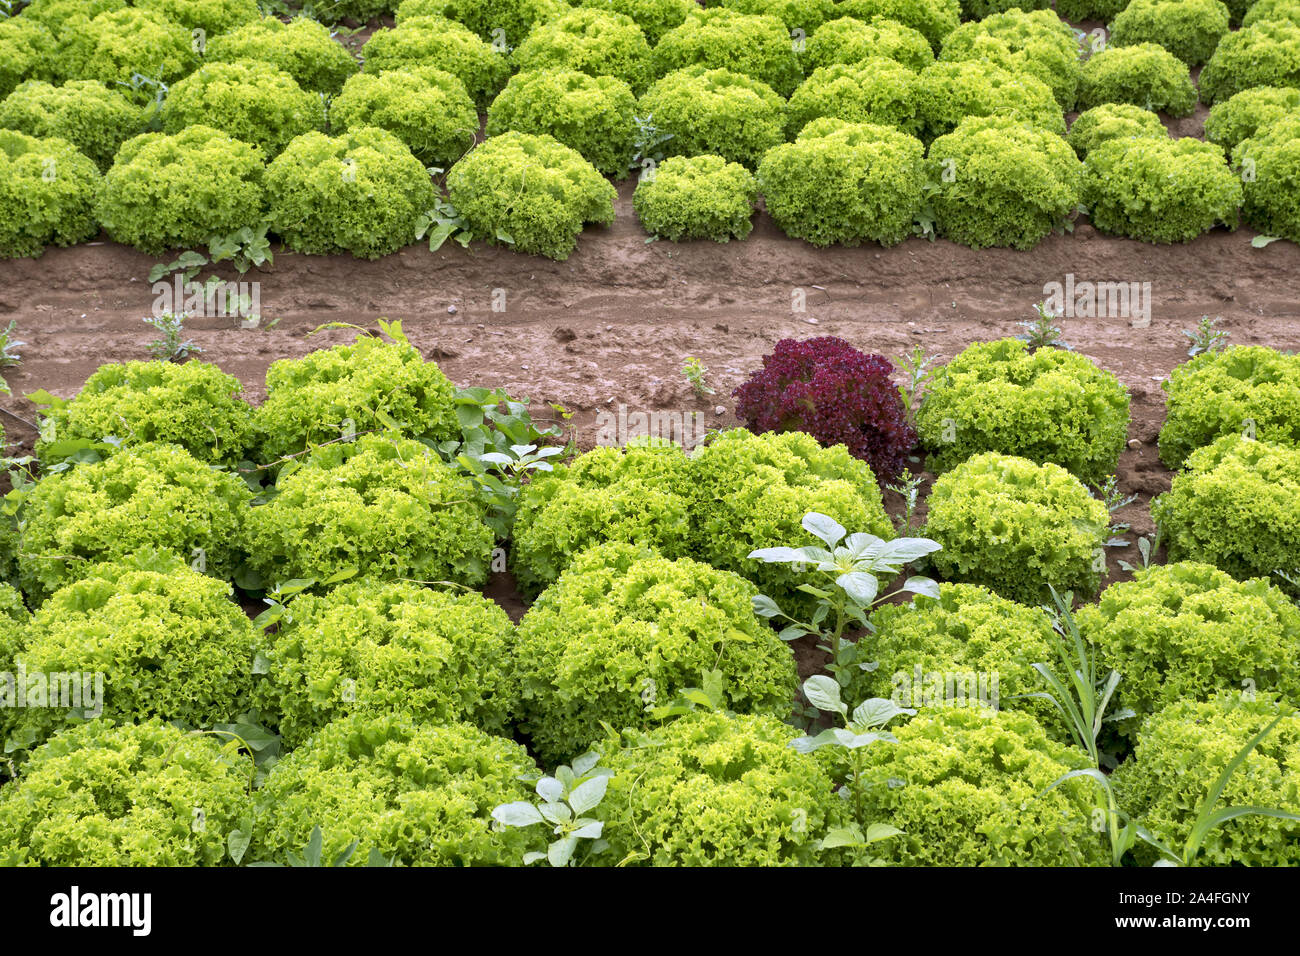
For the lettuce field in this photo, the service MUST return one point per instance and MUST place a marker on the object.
(649, 433)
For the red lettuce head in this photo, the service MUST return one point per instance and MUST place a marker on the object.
(837, 394)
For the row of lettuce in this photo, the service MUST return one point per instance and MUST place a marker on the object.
(386, 702)
(859, 121)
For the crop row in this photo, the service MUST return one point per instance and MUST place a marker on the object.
(380, 710)
(178, 123)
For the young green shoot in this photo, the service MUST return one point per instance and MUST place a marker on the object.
(846, 583)
(1042, 332)
(566, 800)
(863, 727)
(171, 347)
(697, 375)
(1206, 337)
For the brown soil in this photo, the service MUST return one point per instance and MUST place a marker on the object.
(613, 323)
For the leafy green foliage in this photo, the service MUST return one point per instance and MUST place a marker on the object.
(500, 446)
(1242, 389)
(757, 46)
(1143, 74)
(1002, 182)
(386, 506)
(1111, 121)
(375, 648)
(1181, 754)
(709, 789)
(1189, 631)
(417, 793)
(1269, 163)
(210, 16)
(934, 19)
(302, 48)
(360, 11)
(1045, 405)
(27, 52)
(966, 632)
(195, 405)
(530, 192)
(513, 18)
(700, 197)
(117, 44)
(638, 495)
(59, 15)
(874, 90)
(47, 194)
(964, 785)
(951, 91)
(90, 116)
(360, 192)
(845, 183)
(1243, 114)
(251, 101)
(171, 347)
(15, 611)
(1017, 527)
(1207, 336)
(445, 45)
(1189, 29)
(846, 40)
(1035, 42)
(1237, 507)
(805, 15)
(168, 640)
(697, 374)
(150, 496)
(590, 114)
(1160, 190)
(143, 794)
(1265, 54)
(862, 728)
(654, 17)
(1078, 10)
(176, 191)
(752, 491)
(1288, 10)
(624, 629)
(565, 798)
(427, 109)
(715, 111)
(590, 41)
(350, 389)
(845, 582)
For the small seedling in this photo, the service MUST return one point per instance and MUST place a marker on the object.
(1042, 332)
(908, 486)
(918, 367)
(1206, 337)
(9, 356)
(863, 727)
(1147, 546)
(845, 583)
(648, 142)
(1114, 499)
(566, 799)
(310, 855)
(444, 222)
(171, 347)
(696, 374)
(152, 115)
